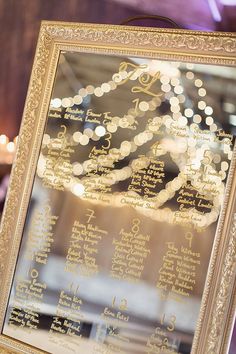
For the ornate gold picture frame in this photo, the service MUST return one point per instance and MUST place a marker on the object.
(118, 233)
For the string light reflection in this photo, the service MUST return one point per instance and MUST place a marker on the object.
(192, 118)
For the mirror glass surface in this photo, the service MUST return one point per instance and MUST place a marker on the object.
(129, 186)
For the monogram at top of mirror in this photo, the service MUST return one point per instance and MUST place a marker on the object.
(129, 185)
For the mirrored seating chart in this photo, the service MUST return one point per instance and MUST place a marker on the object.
(129, 186)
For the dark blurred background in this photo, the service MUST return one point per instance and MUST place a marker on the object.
(19, 26)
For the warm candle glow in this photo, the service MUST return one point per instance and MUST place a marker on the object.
(3, 139)
(7, 149)
(10, 147)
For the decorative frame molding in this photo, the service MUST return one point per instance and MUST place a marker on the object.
(218, 303)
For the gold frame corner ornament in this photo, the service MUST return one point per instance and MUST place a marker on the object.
(218, 305)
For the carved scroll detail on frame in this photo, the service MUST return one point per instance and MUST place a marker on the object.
(164, 39)
(223, 293)
(3, 351)
(25, 137)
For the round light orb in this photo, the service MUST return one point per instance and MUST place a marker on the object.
(190, 75)
(208, 110)
(198, 83)
(76, 136)
(56, 103)
(188, 112)
(100, 131)
(144, 106)
(78, 189)
(77, 99)
(77, 169)
(83, 92)
(197, 118)
(105, 87)
(202, 92)
(84, 140)
(90, 89)
(209, 120)
(98, 92)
